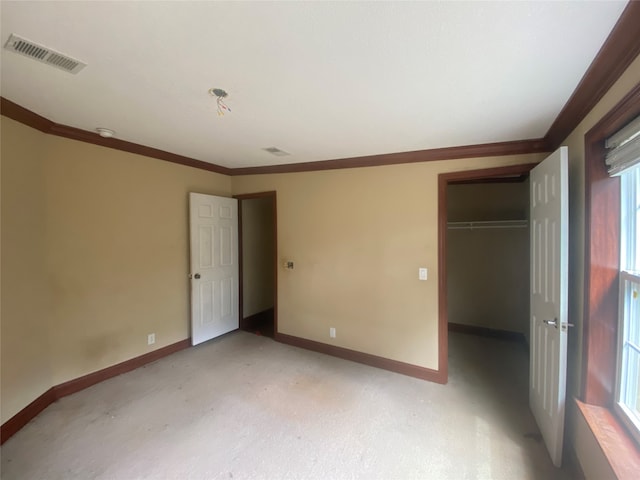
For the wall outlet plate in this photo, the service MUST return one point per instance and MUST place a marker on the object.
(332, 332)
(422, 273)
(151, 339)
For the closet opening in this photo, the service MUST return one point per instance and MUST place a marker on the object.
(484, 273)
(257, 253)
(488, 257)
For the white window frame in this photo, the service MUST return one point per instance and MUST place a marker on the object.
(629, 306)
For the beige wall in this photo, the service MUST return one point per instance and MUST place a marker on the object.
(101, 233)
(575, 142)
(488, 269)
(257, 255)
(357, 238)
(26, 359)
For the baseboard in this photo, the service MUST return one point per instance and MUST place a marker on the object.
(487, 332)
(77, 384)
(24, 416)
(365, 358)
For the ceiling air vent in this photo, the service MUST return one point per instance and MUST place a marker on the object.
(43, 54)
(276, 151)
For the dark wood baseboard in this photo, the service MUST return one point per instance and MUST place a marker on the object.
(365, 358)
(487, 332)
(24, 416)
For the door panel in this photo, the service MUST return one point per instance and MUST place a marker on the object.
(214, 266)
(549, 277)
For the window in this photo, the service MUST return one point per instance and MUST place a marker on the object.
(623, 160)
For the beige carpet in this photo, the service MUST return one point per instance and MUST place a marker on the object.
(244, 406)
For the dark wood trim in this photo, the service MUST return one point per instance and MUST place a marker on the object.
(27, 117)
(509, 179)
(365, 358)
(22, 115)
(622, 453)
(31, 119)
(616, 54)
(274, 199)
(449, 153)
(24, 416)
(487, 332)
(602, 257)
(77, 384)
(249, 196)
(443, 181)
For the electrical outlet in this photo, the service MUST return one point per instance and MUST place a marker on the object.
(332, 332)
(422, 273)
(151, 339)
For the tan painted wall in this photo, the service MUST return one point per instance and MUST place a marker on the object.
(357, 238)
(101, 233)
(488, 269)
(117, 253)
(26, 360)
(257, 255)
(588, 457)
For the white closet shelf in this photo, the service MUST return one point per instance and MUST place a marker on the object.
(485, 224)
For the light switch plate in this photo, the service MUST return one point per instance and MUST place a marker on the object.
(422, 273)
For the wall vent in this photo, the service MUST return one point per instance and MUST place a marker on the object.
(43, 54)
(276, 151)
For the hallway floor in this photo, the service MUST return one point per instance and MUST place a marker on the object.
(243, 406)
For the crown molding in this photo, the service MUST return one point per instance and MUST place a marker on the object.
(616, 54)
(31, 119)
(450, 153)
(619, 50)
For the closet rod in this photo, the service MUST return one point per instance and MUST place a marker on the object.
(487, 224)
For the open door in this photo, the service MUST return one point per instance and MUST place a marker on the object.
(214, 266)
(549, 276)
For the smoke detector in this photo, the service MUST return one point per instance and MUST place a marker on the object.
(105, 132)
(43, 54)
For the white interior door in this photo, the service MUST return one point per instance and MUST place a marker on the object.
(549, 270)
(214, 266)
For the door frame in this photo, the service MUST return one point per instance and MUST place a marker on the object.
(444, 179)
(249, 196)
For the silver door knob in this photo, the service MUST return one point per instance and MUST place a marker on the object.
(553, 323)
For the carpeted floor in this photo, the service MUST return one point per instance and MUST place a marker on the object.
(244, 406)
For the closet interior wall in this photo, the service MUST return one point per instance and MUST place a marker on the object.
(488, 263)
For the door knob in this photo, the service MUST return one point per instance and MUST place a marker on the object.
(553, 323)
(196, 276)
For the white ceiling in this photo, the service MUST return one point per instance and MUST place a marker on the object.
(321, 80)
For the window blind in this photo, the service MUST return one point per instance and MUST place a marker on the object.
(623, 148)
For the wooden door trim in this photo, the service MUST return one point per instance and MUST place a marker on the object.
(444, 179)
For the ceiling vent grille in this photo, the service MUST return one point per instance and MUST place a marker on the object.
(43, 54)
(276, 151)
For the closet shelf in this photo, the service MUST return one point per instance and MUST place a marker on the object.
(487, 224)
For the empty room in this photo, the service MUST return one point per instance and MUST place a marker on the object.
(320, 240)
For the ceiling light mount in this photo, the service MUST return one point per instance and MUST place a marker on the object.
(220, 95)
(105, 132)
